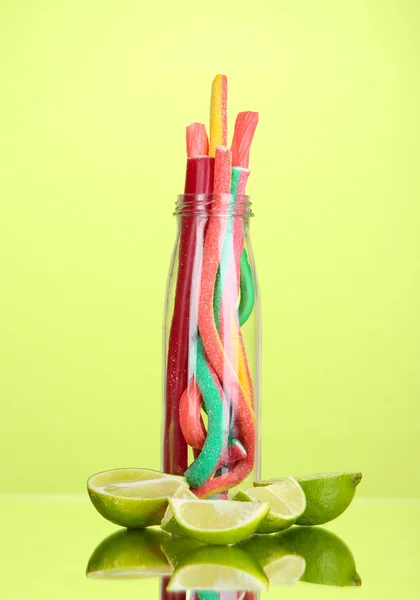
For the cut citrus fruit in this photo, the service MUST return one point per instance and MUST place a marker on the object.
(211, 568)
(327, 495)
(130, 554)
(329, 560)
(216, 521)
(286, 499)
(281, 564)
(168, 517)
(133, 498)
(176, 548)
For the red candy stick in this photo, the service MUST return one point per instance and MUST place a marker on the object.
(199, 180)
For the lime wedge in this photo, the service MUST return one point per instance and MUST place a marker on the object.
(327, 495)
(133, 498)
(168, 517)
(281, 564)
(216, 521)
(218, 568)
(329, 560)
(130, 554)
(286, 499)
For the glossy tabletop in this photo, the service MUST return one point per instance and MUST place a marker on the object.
(47, 542)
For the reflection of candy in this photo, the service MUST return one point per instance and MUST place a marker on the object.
(218, 114)
(197, 141)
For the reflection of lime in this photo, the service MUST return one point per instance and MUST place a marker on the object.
(280, 564)
(327, 495)
(177, 548)
(133, 498)
(328, 559)
(129, 554)
(218, 568)
(216, 521)
(286, 499)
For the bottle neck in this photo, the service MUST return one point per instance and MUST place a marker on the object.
(222, 205)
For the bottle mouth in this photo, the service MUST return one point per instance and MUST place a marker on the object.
(223, 205)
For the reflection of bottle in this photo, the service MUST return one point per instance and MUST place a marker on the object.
(210, 595)
(212, 346)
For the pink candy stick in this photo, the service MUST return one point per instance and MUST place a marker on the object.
(197, 140)
(192, 425)
(245, 125)
(210, 337)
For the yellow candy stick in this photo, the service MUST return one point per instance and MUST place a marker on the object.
(218, 114)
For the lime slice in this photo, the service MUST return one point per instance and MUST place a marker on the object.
(216, 521)
(329, 560)
(280, 563)
(218, 568)
(168, 517)
(133, 498)
(129, 554)
(286, 499)
(327, 495)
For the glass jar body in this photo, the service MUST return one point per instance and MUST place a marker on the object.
(212, 349)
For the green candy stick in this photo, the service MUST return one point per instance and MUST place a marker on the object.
(204, 465)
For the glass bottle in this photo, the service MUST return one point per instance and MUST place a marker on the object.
(212, 348)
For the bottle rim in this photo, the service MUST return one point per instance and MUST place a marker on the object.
(229, 205)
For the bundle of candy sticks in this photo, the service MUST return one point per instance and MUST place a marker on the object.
(207, 367)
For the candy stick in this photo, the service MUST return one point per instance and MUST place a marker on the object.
(218, 114)
(210, 337)
(199, 179)
(244, 131)
(247, 300)
(218, 424)
(245, 125)
(214, 399)
(193, 428)
(197, 140)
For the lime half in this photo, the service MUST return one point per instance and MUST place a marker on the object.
(216, 521)
(327, 495)
(130, 554)
(286, 499)
(218, 568)
(133, 498)
(329, 561)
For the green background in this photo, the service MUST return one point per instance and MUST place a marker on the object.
(94, 100)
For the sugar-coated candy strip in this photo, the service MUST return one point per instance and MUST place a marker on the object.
(192, 424)
(198, 180)
(197, 140)
(218, 423)
(245, 125)
(211, 341)
(218, 114)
